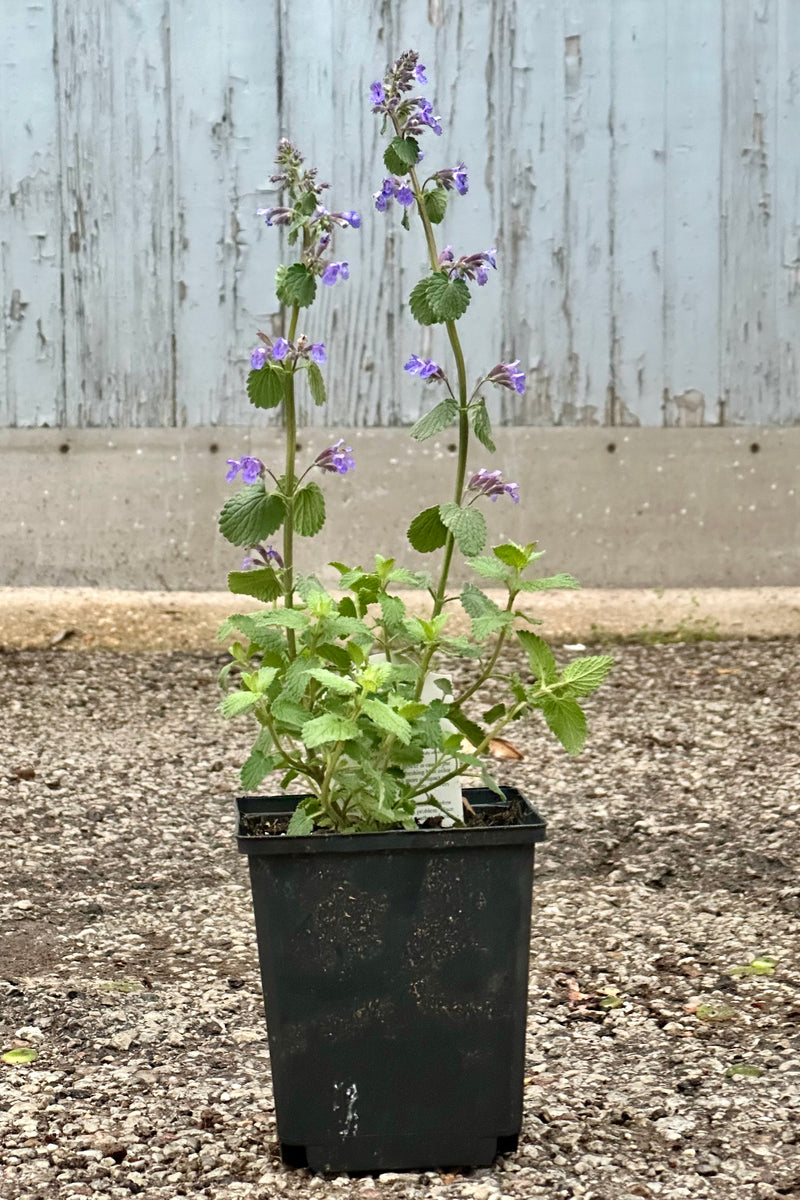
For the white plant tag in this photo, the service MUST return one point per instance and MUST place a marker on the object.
(447, 795)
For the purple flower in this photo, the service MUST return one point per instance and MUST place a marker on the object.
(317, 352)
(266, 555)
(352, 218)
(490, 483)
(419, 73)
(404, 195)
(336, 459)
(334, 272)
(258, 358)
(470, 266)
(381, 201)
(280, 348)
(377, 95)
(425, 368)
(275, 216)
(506, 375)
(425, 115)
(454, 177)
(446, 255)
(251, 469)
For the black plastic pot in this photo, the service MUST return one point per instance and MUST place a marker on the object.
(395, 975)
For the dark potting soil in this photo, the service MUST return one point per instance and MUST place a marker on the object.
(258, 825)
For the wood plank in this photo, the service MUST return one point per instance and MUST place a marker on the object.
(638, 65)
(750, 359)
(788, 211)
(113, 77)
(226, 127)
(692, 213)
(527, 175)
(588, 227)
(31, 383)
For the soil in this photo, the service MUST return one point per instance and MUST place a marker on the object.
(663, 1055)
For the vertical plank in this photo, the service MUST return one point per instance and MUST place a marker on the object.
(750, 362)
(638, 69)
(225, 121)
(788, 211)
(527, 175)
(30, 250)
(116, 211)
(694, 87)
(588, 228)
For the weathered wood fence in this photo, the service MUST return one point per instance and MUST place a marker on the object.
(636, 162)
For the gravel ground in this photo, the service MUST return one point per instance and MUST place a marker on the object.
(661, 1063)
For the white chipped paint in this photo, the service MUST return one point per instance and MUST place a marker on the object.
(346, 1097)
(637, 166)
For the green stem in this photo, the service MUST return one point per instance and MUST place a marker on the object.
(290, 427)
(459, 770)
(486, 673)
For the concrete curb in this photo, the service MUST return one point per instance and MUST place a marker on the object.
(91, 619)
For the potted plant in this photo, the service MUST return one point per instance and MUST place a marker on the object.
(392, 906)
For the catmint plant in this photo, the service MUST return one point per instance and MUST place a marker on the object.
(335, 683)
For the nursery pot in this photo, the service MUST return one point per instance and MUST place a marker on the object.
(395, 976)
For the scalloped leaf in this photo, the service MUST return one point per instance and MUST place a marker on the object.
(251, 515)
(427, 532)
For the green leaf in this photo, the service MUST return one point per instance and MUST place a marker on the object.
(266, 387)
(20, 1056)
(301, 824)
(336, 655)
(393, 610)
(512, 555)
(551, 581)
(487, 618)
(341, 684)
(481, 425)
(490, 568)
(238, 702)
(295, 285)
(435, 202)
(309, 510)
(464, 725)
(400, 154)
(436, 420)
(317, 384)
(567, 721)
(251, 516)
(289, 618)
(307, 204)
(259, 681)
(289, 712)
(467, 525)
(254, 769)
(262, 583)
(427, 532)
(387, 719)
(448, 298)
(330, 727)
(419, 304)
(540, 656)
(494, 713)
(584, 675)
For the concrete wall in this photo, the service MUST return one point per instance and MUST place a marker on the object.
(617, 508)
(636, 162)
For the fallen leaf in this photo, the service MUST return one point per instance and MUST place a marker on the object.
(20, 1056)
(501, 748)
(745, 1069)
